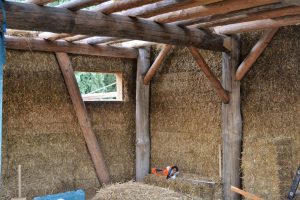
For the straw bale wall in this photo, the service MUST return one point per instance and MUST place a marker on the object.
(271, 114)
(185, 114)
(41, 131)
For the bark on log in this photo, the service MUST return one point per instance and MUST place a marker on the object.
(231, 123)
(157, 63)
(73, 48)
(28, 17)
(142, 117)
(254, 54)
(84, 121)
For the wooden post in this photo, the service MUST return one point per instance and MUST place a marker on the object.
(209, 74)
(231, 122)
(254, 54)
(19, 181)
(142, 116)
(157, 63)
(84, 121)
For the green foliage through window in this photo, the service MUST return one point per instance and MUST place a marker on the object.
(90, 82)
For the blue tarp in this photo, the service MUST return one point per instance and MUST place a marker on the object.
(2, 61)
(73, 195)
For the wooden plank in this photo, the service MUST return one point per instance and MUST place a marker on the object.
(116, 6)
(157, 63)
(210, 9)
(245, 194)
(254, 54)
(258, 25)
(142, 117)
(75, 5)
(27, 17)
(119, 85)
(231, 123)
(291, 10)
(83, 119)
(209, 74)
(74, 48)
(165, 7)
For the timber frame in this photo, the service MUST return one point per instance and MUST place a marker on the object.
(136, 24)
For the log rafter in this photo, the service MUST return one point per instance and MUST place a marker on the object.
(13, 42)
(211, 9)
(157, 63)
(258, 25)
(27, 17)
(254, 54)
(116, 6)
(165, 7)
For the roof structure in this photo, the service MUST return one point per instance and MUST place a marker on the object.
(198, 23)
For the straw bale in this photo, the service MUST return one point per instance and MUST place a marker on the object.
(41, 131)
(266, 168)
(271, 112)
(189, 184)
(138, 191)
(185, 114)
(22, 33)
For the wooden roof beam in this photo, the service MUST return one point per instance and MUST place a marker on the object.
(207, 20)
(165, 7)
(157, 63)
(209, 74)
(39, 2)
(75, 5)
(258, 25)
(210, 9)
(28, 17)
(254, 54)
(28, 44)
(146, 11)
(116, 6)
(280, 12)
